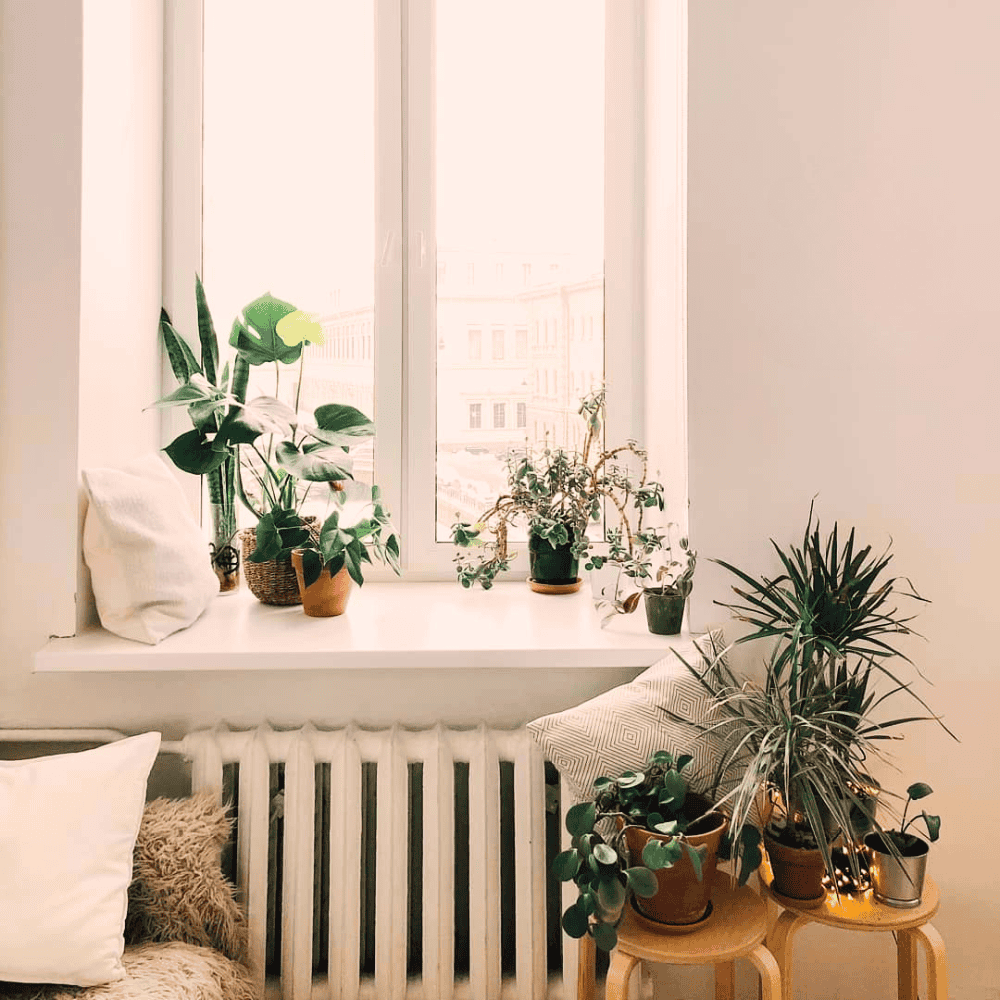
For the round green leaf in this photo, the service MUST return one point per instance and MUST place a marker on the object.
(605, 936)
(580, 818)
(605, 854)
(587, 902)
(933, 826)
(566, 865)
(919, 790)
(630, 779)
(642, 881)
(611, 894)
(575, 922)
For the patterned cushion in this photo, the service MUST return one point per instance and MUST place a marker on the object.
(619, 729)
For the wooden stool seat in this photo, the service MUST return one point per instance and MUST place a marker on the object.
(736, 929)
(863, 912)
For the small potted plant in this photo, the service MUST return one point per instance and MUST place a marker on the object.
(643, 833)
(325, 566)
(555, 494)
(898, 860)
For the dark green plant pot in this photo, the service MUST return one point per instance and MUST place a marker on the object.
(664, 612)
(555, 566)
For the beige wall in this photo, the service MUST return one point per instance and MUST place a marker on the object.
(843, 323)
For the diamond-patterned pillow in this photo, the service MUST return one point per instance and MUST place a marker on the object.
(619, 729)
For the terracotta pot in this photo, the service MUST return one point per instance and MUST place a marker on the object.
(327, 597)
(681, 897)
(798, 873)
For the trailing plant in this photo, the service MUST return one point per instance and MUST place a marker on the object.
(348, 545)
(598, 862)
(651, 547)
(556, 494)
(264, 438)
(906, 843)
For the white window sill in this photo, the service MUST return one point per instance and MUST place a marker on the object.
(387, 625)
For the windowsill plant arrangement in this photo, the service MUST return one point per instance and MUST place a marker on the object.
(263, 439)
(797, 744)
(643, 834)
(556, 494)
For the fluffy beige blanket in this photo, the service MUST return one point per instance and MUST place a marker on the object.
(172, 971)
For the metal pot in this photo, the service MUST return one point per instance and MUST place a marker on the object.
(897, 881)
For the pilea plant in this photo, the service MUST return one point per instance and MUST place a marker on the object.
(555, 494)
(598, 861)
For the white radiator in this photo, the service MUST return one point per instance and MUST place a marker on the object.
(393, 750)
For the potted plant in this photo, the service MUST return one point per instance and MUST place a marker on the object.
(643, 833)
(898, 860)
(799, 741)
(555, 494)
(264, 439)
(325, 566)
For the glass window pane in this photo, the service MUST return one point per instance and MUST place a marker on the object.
(289, 189)
(520, 204)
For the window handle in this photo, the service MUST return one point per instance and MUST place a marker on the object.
(419, 248)
(390, 249)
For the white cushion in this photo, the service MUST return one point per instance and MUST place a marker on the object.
(68, 825)
(148, 559)
(618, 730)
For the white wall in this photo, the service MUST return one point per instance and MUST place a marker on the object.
(843, 322)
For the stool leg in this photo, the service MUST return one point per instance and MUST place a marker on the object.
(779, 943)
(937, 961)
(906, 965)
(619, 973)
(586, 968)
(771, 984)
(725, 981)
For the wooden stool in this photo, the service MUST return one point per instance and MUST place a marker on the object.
(862, 912)
(736, 929)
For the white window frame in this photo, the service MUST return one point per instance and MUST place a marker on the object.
(406, 273)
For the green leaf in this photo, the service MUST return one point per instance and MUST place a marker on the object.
(195, 390)
(611, 893)
(605, 937)
(182, 360)
(668, 826)
(264, 415)
(919, 790)
(575, 922)
(268, 541)
(605, 854)
(580, 819)
(206, 334)
(659, 854)
(192, 452)
(696, 855)
(324, 465)
(587, 902)
(683, 761)
(630, 779)
(642, 881)
(933, 826)
(339, 418)
(312, 566)
(566, 865)
(255, 336)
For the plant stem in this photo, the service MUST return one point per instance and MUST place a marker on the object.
(298, 388)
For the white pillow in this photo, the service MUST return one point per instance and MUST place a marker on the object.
(68, 825)
(148, 560)
(619, 729)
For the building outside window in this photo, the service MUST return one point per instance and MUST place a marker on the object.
(499, 415)
(522, 414)
(475, 416)
(521, 343)
(498, 344)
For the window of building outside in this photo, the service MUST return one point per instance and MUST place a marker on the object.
(475, 345)
(405, 215)
(498, 344)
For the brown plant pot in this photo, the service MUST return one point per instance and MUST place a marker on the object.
(272, 582)
(681, 898)
(798, 872)
(327, 597)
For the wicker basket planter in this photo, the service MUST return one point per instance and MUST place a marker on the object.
(272, 582)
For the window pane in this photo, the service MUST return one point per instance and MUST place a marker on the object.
(289, 199)
(520, 202)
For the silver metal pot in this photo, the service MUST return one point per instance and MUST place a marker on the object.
(896, 881)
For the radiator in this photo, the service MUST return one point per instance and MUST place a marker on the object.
(402, 761)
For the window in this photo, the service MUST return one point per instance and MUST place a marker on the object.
(475, 344)
(475, 415)
(499, 415)
(379, 239)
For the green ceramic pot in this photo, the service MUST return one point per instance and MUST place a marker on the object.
(554, 565)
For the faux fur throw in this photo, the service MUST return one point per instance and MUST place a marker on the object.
(173, 971)
(178, 892)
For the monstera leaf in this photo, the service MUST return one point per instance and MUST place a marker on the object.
(255, 333)
(316, 463)
(262, 415)
(193, 452)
